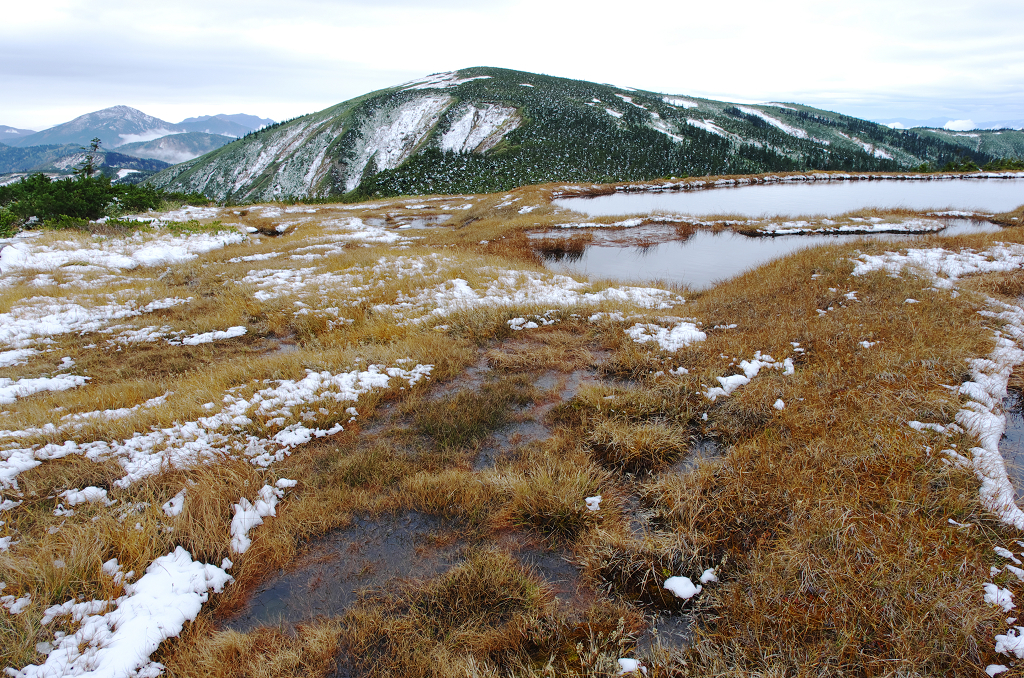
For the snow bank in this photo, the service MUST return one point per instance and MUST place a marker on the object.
(118, 644)
(943, 266)
(512, 288)
(41, 317)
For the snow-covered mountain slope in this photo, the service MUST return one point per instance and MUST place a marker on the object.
(489, 129)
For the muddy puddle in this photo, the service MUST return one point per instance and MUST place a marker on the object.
(326, 580)
(377, 554)
(668, 631)
(529, 426)
(701, 449)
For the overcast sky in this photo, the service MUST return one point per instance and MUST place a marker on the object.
(875, 59)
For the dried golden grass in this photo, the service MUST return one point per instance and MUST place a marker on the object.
(830, 515)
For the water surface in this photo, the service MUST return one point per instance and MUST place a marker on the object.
(817, 198)
(707, 258)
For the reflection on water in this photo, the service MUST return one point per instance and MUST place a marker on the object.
(707, 258)
(826, 198)
(1011, 446)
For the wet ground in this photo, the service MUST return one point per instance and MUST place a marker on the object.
(381, 552)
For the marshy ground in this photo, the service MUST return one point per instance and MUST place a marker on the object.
(389, 418)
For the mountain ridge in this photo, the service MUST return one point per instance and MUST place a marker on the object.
(119, 125)
(486, 129)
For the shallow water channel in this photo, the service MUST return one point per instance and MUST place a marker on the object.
(818, 198)
(706, 258)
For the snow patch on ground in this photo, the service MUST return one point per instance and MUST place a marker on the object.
(227, 432)
(775, 122)
(247, 516)
(12, 389)
(118, 644)
(708, 126)
(750, 370)
(114, 253)
(673, 339)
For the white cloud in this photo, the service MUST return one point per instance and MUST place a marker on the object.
(896, 125)
(280, 60)
(148, 135)
(959, 125)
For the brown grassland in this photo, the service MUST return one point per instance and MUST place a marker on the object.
(844, 545)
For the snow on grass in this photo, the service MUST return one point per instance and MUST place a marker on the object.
(683, 334)
(984, 418)
(247, 515)
(613, 113)
(37, 318)
(775, 122)
(627, 665)
(175, 505)
(216, 335)
(18, 356)
(513, 288)
(228, 432)
(750, 370)
(479, 129)
(114, 253)
(11, 389)
(14, 604)
(88, 495)
(118, 644)
(944, 266)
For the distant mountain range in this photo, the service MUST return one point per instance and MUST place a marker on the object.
(490, 129)
(133, 133)
(237, 125)
(120, 125)
(9, 134)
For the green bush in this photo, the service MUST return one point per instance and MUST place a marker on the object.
(1003, 164)
(8, 223)
(64, 222)
(64, 203)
